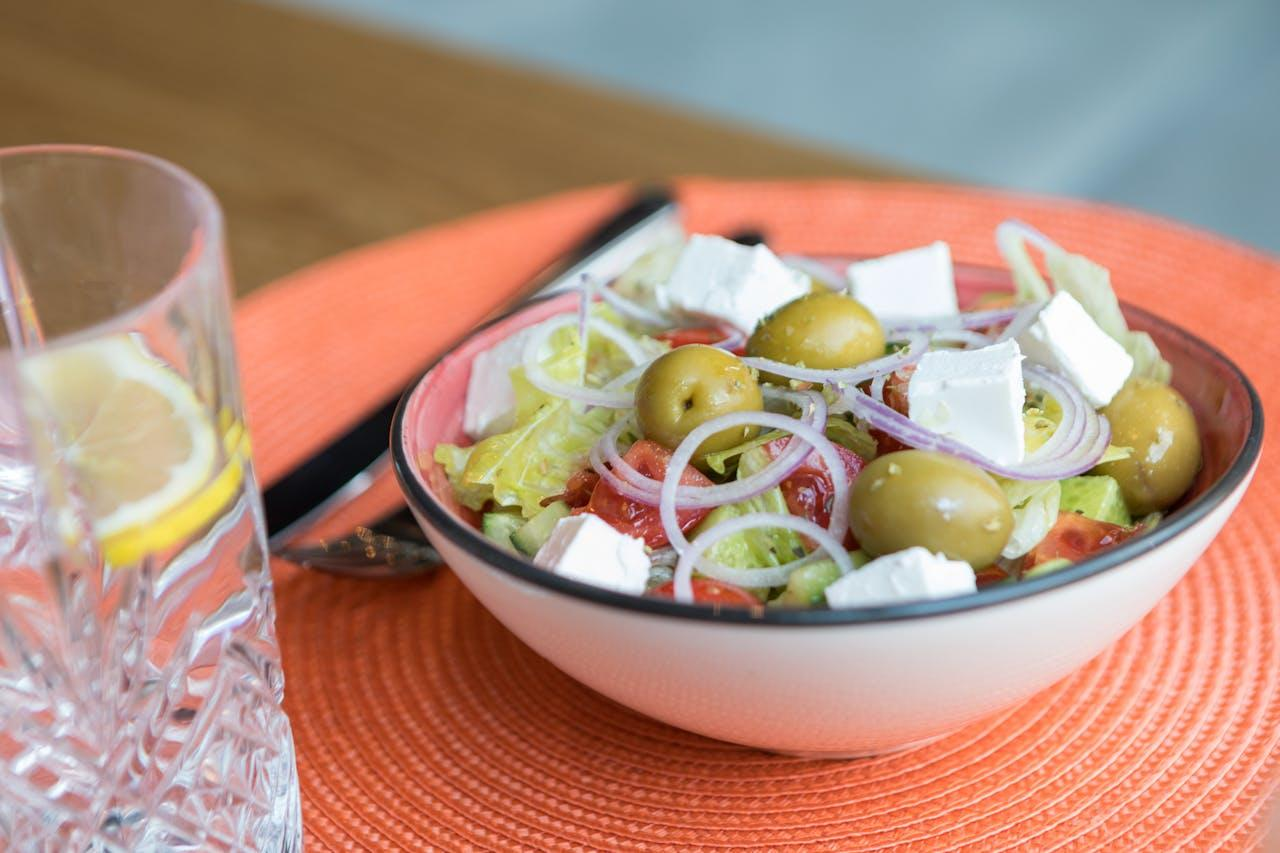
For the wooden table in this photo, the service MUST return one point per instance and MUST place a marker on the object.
(319, 136)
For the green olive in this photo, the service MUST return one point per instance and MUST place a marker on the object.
(936, 501)
(1157, 423)
(689, 386)
(822, 330)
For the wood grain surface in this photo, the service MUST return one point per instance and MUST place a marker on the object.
(318, 136)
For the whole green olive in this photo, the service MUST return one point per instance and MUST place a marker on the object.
(936, 501)
(1157, 423)
(821, 330)
(689, 386)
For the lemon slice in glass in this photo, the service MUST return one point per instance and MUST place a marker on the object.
(141, 447)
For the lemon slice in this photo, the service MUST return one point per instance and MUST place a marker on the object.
(141, 446)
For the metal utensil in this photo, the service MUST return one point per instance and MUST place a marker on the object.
(389, 548)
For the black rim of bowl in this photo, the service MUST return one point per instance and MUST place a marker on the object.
(472, 540)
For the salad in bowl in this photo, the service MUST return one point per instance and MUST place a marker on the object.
(724, 426)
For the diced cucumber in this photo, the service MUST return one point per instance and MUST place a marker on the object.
(499, 526)
(1097, 497)
(1045, 568)
(537, 530)
(807, 584)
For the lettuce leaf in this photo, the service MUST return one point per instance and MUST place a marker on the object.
(759, 547)
(719, 461)
(531, 462)
(854, 438)
(1088, 282)
(551, 437)
(652, 269)
(1035, 509)
(454, 461)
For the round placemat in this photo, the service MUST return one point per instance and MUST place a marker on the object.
(421, 723)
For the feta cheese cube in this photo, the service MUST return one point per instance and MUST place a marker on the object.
(585, 548)
(916, 284)
(973, 396)
(1066, 339)
(491, 398)
(910, 575)
(739, 284)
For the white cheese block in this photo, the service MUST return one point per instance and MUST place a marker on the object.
(585, 548)
(916, 284)
(719, 278)
(491, 398)
(974, 397)
(1065, 338)
(910, 575)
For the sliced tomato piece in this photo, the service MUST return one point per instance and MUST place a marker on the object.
(708, 591)
(990, 576)
(895, 389)
(577, 491)
(708, 335)
(895, 397)
(808, 490)
(641, 520)
(1074, 537)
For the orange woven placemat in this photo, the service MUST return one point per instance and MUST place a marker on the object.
(420, 722)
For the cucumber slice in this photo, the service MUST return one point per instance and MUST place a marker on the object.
(807, 584)
(537, 530)
(1097, 497)
(499, 526)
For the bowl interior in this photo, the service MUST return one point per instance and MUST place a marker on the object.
(1222, 399)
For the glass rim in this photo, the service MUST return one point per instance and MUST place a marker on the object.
(205, 208)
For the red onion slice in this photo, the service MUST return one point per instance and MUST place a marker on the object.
(1075, 446)
(877, 387)
(627, 481)
(917, 345)
(532, 357)
(585, 292)
(732, 341)
(1013, 231)
(768, 576)
(966, 337)
(966, 320)
(634, 311)
(802, 434)
(1021, 321)
(818, 271)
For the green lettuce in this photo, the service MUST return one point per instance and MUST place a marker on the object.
(855, 439)
(1088, 282)
(719, 461)
(759, 547)
(1035, 510)
(531, 462)
(552, 436)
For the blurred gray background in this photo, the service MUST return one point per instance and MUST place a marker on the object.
(1170, 107)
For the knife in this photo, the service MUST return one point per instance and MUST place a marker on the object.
(347, 466)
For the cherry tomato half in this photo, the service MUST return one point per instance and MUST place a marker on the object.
(708, 591)
(808, 490)
(1074, 537)
(641, 520)
(709, 335)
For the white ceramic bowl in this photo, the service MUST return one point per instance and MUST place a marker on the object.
(821, 682)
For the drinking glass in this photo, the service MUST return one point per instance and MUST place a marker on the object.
(140, 680)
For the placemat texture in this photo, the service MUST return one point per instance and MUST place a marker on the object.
(421, 723)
